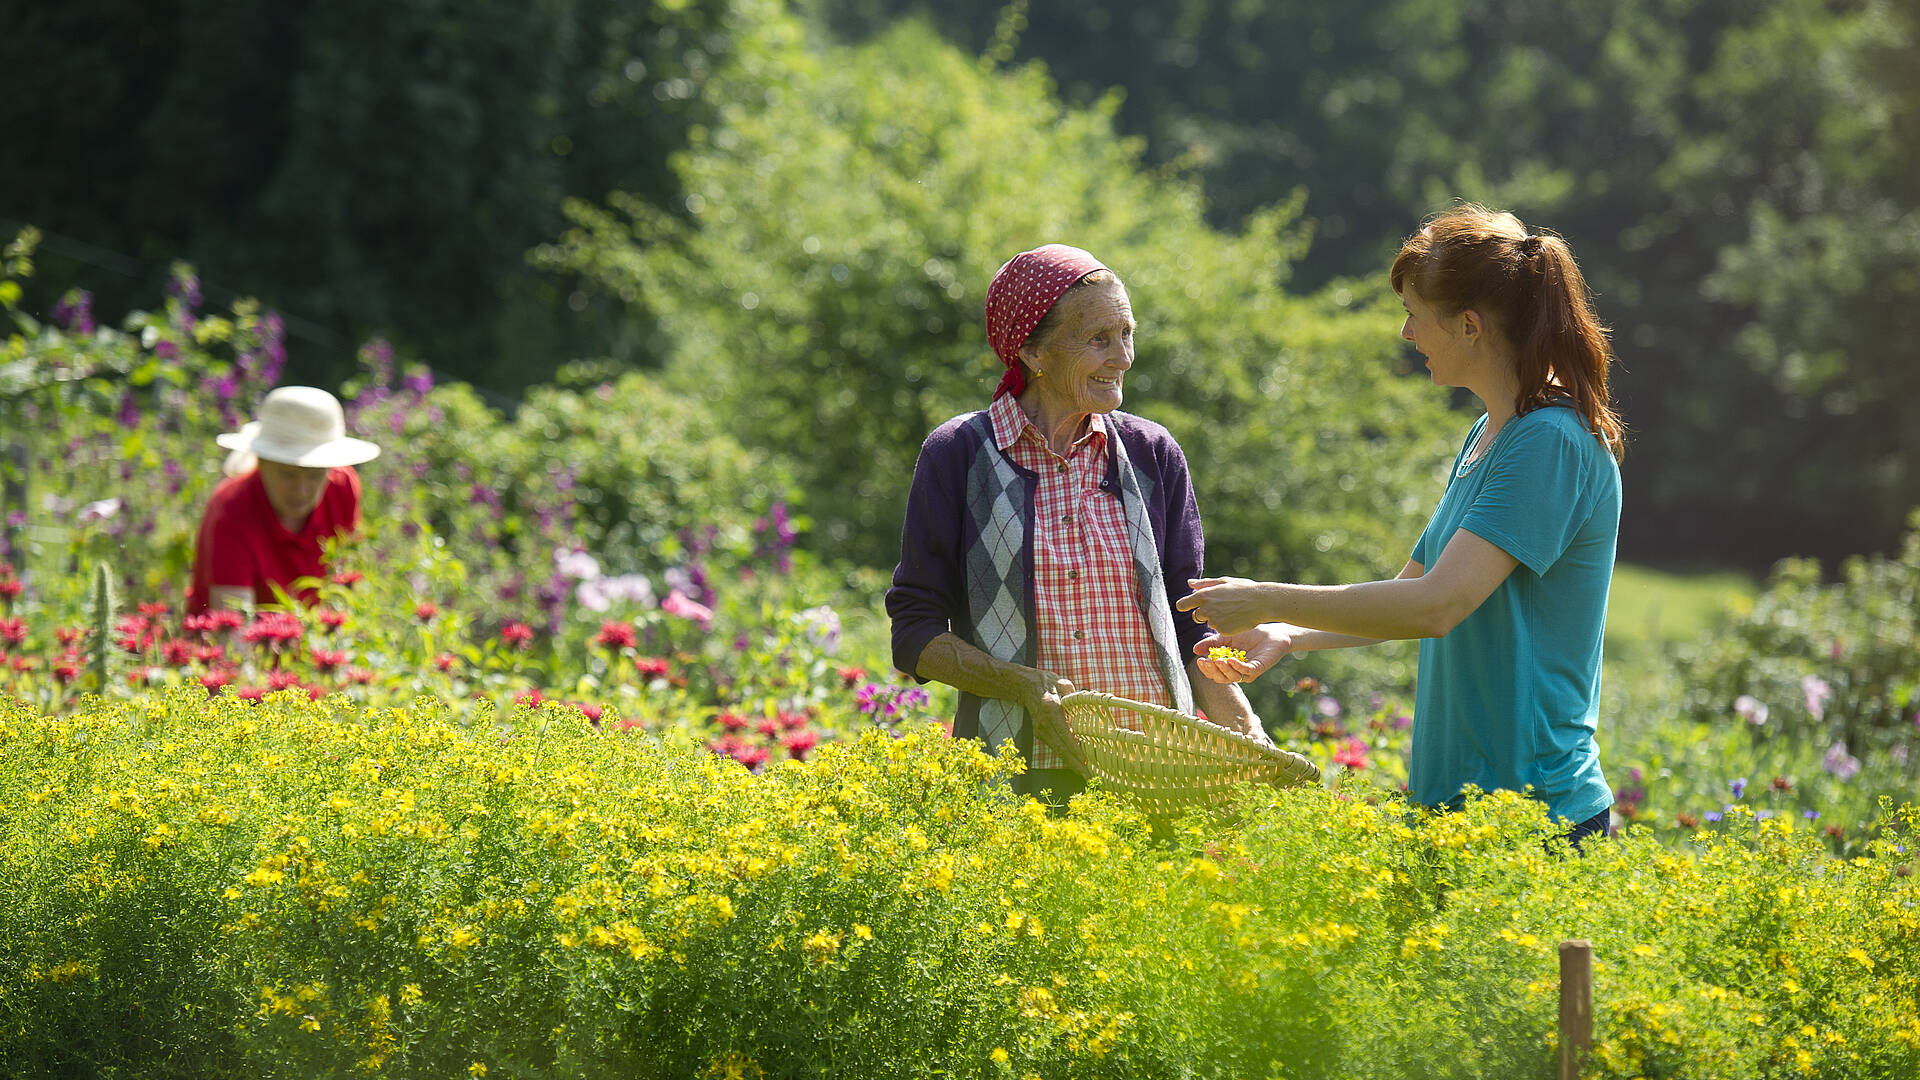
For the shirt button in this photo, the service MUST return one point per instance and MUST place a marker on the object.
(1079, 634)
(1062, 467)
(1073, 575)
(1066, 519)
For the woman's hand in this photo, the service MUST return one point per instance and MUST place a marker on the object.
(1042, 702)
(1264, 646)
(1230, 605)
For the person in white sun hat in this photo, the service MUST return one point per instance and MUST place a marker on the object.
(293, 487)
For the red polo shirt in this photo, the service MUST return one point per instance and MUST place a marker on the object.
(242, 544)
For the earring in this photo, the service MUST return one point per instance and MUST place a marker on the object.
(1037, 373)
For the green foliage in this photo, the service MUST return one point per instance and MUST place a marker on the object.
(837, 325)
(1737, 179)
(406, 162)
(313, 888)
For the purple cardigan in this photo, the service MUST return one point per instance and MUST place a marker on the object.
(934, 591)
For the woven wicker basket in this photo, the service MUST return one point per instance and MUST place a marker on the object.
(1171, 761)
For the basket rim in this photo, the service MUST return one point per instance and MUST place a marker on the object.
(1264, 749)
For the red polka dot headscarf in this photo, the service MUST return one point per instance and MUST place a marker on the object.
(1022, 293)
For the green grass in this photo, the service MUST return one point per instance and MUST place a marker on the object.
(1651, 609)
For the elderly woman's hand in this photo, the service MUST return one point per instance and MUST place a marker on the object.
(1260, 648)
(1042, 702)
(1229, 605)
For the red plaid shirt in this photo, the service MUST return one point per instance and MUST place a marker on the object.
(1086, 597)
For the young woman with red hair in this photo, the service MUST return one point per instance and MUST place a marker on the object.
(1507, 586)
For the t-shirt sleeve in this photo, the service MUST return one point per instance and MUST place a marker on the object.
(1535, 497)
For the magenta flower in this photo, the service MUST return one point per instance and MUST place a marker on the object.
(1752, 709)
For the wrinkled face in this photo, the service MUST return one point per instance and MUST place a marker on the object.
(1087, 353)
(294, 490)
(1439, 338)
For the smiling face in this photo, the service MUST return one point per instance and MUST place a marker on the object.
(1442, 339)
(1086, 353)
(294, 490)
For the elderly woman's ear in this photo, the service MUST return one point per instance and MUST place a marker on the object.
(1030, 360)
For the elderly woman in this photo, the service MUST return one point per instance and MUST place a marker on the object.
(1048, 536)
(293, 487)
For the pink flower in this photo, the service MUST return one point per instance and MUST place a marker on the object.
(532, 699)
(677, 605)
(282, 680)
(67, 668)
(651, 667)
(359, 676)
(1751, 709)
(445, 661)
(425, 610)
(13, 631)
(1842, 765)
(215, 679)
(328, 659)
(349, 578)
(1817, 691)
(517, 635)
(331, 619)
(590, 711)
(1352, 754)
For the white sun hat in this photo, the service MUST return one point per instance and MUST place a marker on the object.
(300, 425)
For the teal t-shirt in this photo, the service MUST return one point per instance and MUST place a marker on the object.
(1510, 698)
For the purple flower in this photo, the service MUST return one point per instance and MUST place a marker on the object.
(1712, 815)
(419, 382)
(1751, 709)
(185, 286)
(1811, 815)
(75, 311)
(377, 357)
(1328, 707)
(129, 410)
(1842, 765)
(166, 350)
(1739, 787)
(1817, 691)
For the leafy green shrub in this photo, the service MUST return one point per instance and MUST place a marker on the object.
(297, 888)
(835, 324)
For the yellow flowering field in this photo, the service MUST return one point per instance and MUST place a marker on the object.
(202, 887)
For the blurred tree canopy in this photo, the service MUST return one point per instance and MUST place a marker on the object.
(1738, 178)
(368, 167)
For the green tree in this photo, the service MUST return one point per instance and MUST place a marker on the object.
(825, 292)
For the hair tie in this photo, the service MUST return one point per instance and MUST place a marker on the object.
(1531, 245)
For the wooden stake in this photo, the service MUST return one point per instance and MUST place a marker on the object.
(1576, 1006)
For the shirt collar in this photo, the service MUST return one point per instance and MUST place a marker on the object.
(1010, 422)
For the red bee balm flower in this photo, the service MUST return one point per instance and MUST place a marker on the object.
(616, 635)
(10, 589)
(349, 578)
(328, 659)
(1352, 754)
(426, 610)
(800, 743)
(445, 661)
(331, 619)
(517, 635)
(14, 631)
(651, 667)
